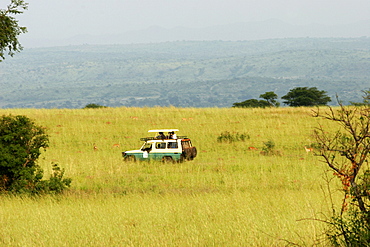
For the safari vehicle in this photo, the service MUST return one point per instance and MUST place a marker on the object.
(167, 148)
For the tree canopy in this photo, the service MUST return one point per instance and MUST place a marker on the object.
(304, 96)
(10, 29)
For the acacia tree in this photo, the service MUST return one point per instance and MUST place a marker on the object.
(10, 29)
(346, 152)
(271, 98)
(304, 96)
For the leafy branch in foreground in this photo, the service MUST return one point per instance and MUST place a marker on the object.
(10, 29)
(346, 152)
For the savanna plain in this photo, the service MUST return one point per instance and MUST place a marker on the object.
(229, 195)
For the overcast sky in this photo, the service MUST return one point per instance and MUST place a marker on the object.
(57, 19)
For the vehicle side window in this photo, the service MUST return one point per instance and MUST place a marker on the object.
(172, 145)
(160, 145)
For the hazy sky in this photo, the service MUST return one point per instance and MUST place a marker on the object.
(67, 18)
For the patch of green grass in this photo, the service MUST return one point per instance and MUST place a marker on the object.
(229, 195)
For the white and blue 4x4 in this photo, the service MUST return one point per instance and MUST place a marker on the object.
(168, 148)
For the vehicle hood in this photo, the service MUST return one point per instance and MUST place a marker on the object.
(133, 151)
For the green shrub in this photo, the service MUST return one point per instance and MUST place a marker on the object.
(351, 227)
(20, 143)
(269, 148)
(226, 136)
(349, 230)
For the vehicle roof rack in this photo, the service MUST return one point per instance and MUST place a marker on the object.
(163, 130)
(153, 138)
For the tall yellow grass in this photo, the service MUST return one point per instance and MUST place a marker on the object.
(229, 195)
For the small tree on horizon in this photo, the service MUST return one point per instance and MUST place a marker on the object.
(271, 98)
(93, 105)
(269, 101)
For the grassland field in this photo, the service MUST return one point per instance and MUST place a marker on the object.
(228, 195)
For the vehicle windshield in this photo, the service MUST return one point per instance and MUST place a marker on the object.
(186, 144)
(146, 146)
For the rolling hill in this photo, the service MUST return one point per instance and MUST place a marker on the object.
(183, 73)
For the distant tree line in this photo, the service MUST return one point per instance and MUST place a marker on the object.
(299, 96)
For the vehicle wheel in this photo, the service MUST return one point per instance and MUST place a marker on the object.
(167, 159)
(194, 153)
(190, 153)
(187, 153)
(182, 158)
(130, 158)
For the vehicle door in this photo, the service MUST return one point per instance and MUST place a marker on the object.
(159, 151)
